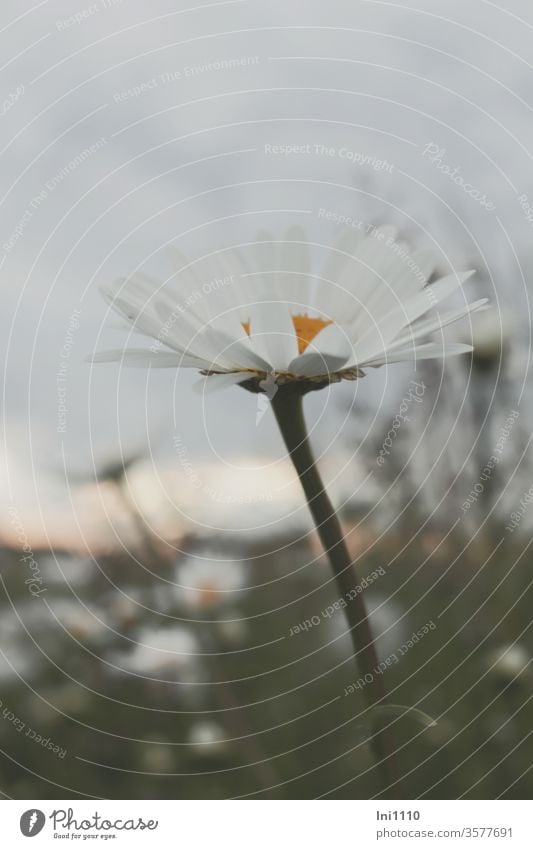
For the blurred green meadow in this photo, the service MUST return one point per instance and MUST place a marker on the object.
(152, 691)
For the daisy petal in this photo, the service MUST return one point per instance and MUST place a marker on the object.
(429, 351)
(235, 353)
(144, 358)
(214, 382)
(365, 277)
(292, 284)
(382, 331)
(332, 340)
(422, 328)
(315, 364)
(425, 261)
(272, 334)
(340, 255)
(275, 317)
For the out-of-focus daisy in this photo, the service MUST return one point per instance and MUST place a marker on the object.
(168, 652)
(84, 624)
(202, 583)
(266, 328)
(207, 739)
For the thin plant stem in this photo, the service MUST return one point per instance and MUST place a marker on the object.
(288, 410)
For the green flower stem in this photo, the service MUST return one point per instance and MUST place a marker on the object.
(288, 410)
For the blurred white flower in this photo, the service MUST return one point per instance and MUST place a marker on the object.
(290, 325)
(509, 661)
(207, 739)
(489, 335)
(125, 608)
(169, 652)
(207, 582)
(82, 623)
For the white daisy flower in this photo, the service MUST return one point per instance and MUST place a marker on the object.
(206, 583)
(169, 651)
(277, 323)
(276, 326)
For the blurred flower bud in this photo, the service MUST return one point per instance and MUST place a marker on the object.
(489, 334)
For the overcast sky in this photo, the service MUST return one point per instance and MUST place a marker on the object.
(176, 110)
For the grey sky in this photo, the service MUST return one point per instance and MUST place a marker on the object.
(177, 154)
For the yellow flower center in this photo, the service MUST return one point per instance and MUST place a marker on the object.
(305, 327)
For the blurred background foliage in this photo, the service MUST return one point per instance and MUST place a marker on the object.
(183, 674)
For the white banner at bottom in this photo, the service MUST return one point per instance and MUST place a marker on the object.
(266, 824)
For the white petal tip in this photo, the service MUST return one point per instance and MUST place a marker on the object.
(460, 349)
(103, 357)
